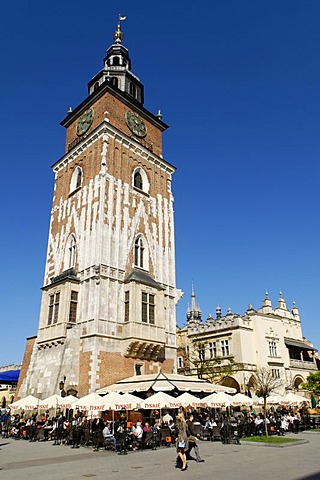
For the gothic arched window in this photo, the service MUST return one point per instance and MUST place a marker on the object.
(140, 180)
(76, 179)
(79, 178)
(139, 260)
(72, 252)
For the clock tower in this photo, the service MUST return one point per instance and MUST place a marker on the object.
(109, 295)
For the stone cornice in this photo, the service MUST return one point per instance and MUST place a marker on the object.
(106, 129)
(122, 96)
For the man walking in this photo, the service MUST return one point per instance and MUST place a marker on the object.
(192, 440)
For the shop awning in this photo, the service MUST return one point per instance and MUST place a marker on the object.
(10, 376)
(290, 342)
(164, 382)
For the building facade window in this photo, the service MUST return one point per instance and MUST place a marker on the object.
(148, 308)
(115, 81)
(138, 369)
(76, 179)
(138, 181)
(273, 350)
(180, 362)
(73, 307)
(275, 372)
(126, 306)
(79, 178)
(202, 352)
(53, 314)
(212, 349)
(139, 252)
(225, 349)
(72, 252)
(133, 90)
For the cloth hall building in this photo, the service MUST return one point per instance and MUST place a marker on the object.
(109, 295)
(269, 337)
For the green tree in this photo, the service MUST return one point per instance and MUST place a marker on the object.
(313, 383)
(265, 383)
(212, 368)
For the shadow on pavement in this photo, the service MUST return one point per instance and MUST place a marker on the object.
(315, 476)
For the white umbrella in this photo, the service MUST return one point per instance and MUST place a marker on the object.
(67, 401)
(240, 399)
(50, 402)
(218, 400)
(293, 399)
(115, 401)
(186, 400)
(271, 400)
(133, 398)
(158, 400)
(90, 403)
(28, 403)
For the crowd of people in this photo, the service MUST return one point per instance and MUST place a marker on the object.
(183, 429)
(275, 422)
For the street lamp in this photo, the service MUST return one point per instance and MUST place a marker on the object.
(61, 387)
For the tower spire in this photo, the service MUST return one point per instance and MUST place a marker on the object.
(117, 70)
(194, 312)
(193, 298)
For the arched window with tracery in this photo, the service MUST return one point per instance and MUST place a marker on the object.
(70, 254)
(139, 252)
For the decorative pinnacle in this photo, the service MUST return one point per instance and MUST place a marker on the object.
(267, 293)
(118, 34)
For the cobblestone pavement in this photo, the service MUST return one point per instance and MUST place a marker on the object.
(24, 460)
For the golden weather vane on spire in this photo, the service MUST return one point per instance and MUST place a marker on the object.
(118, 34)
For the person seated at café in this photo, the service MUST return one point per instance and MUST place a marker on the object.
(258, 425)
(109, 438)
(147, 427)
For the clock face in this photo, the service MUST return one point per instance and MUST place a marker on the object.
(85, 122)
(136, 124)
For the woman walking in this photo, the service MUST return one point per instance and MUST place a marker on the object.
(181, 425)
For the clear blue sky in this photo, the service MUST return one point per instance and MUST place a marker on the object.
(238, 83)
